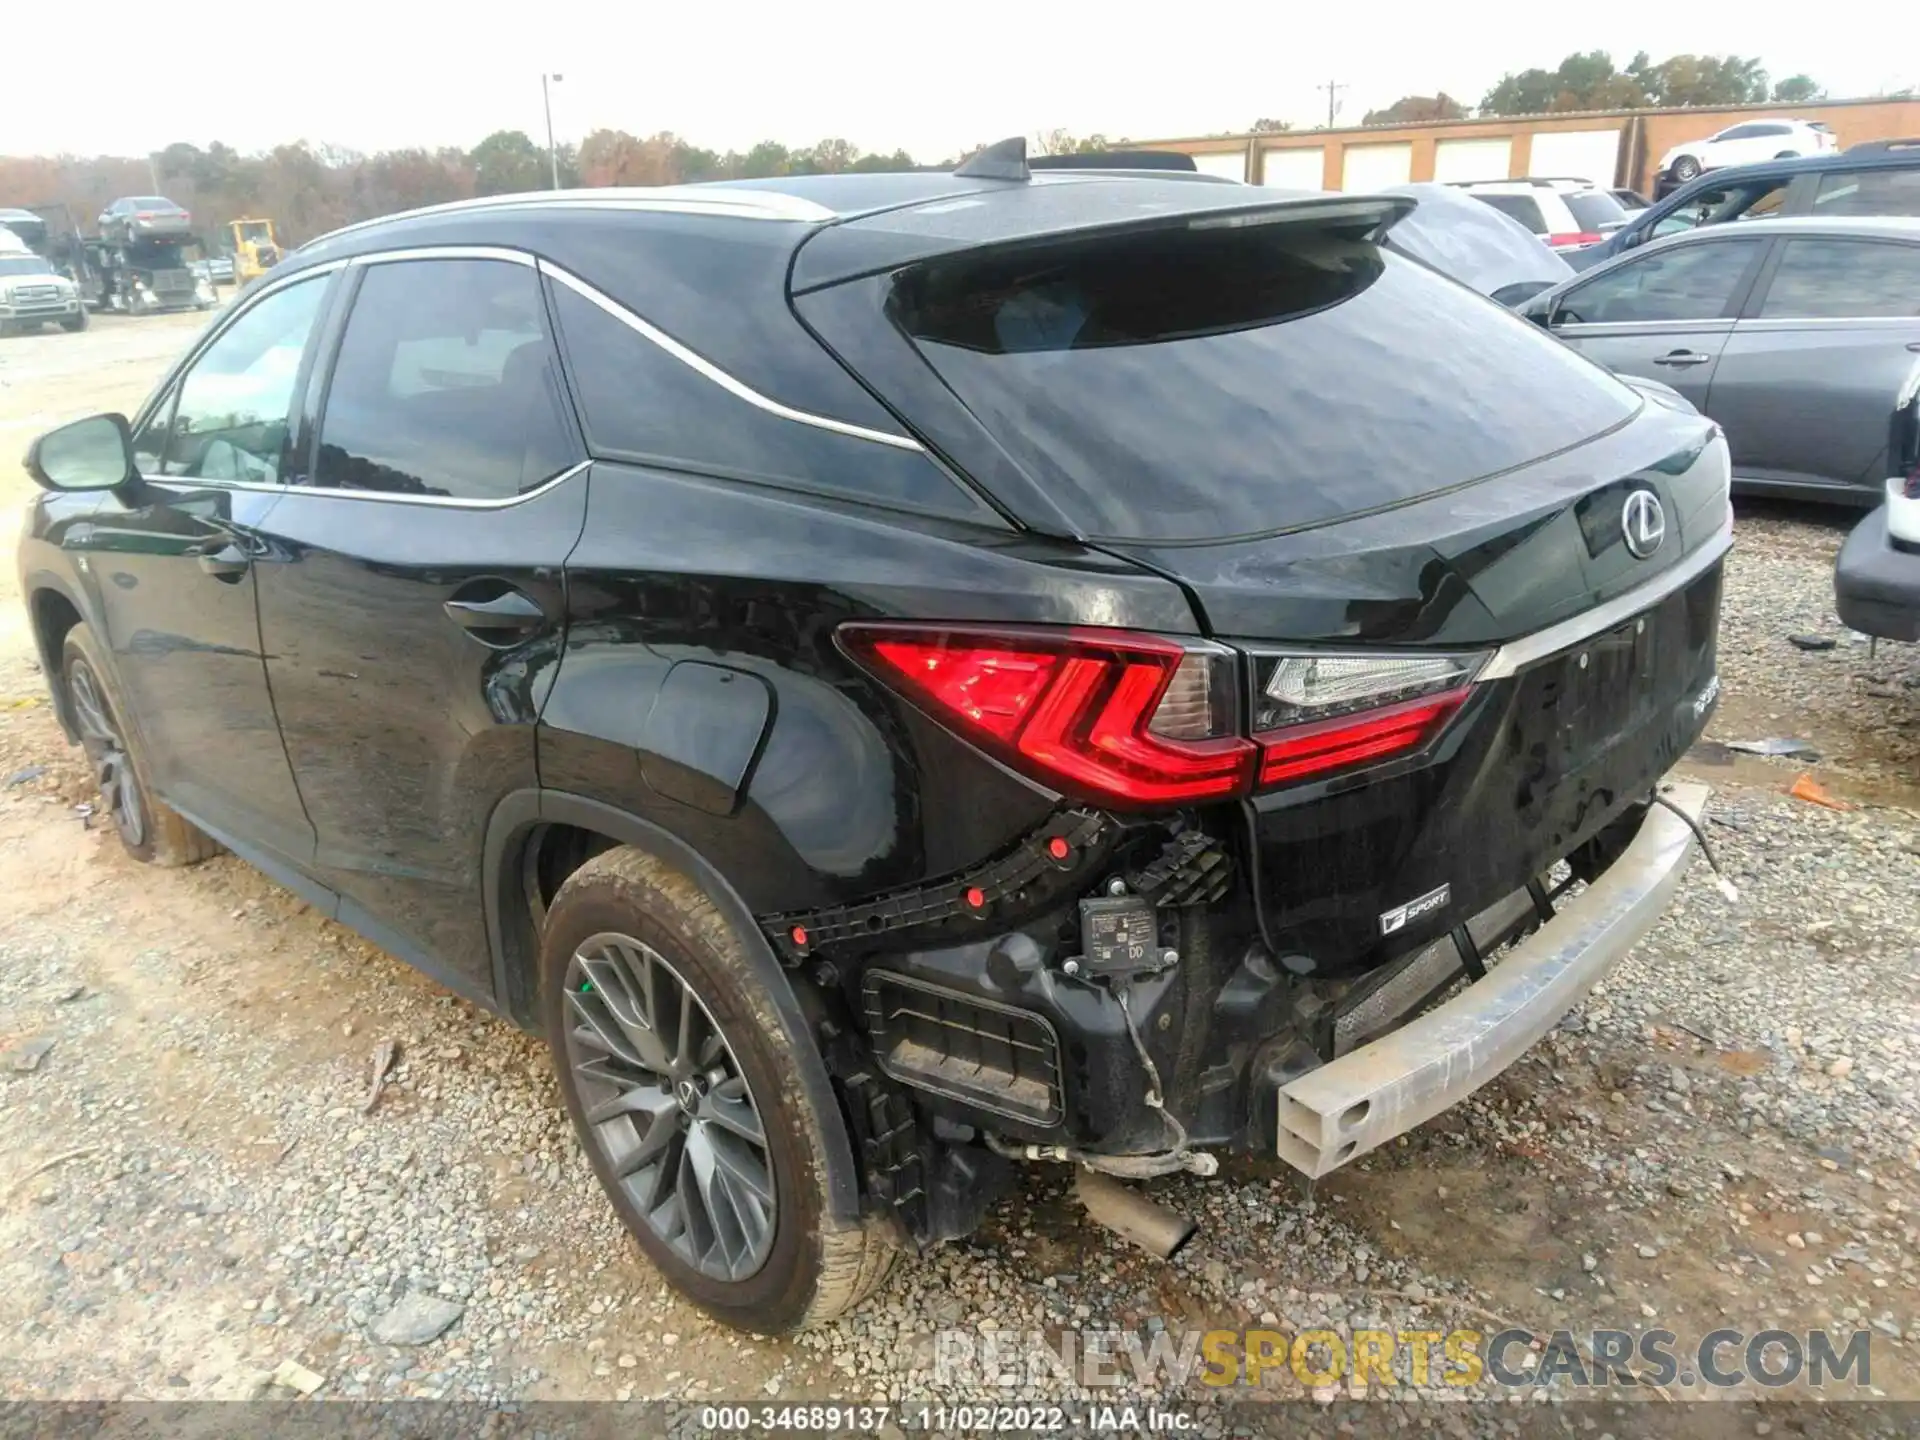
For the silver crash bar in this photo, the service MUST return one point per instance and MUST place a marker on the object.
(1365, 1098)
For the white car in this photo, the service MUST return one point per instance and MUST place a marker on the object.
(32, 293)
(1745, 143)
(1567, 214)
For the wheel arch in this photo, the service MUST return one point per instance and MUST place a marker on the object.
(52, 613)
(517, 824)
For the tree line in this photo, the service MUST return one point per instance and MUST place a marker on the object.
(1589, 80)
(309, 189)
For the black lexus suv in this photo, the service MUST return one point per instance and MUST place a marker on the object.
(898, 675)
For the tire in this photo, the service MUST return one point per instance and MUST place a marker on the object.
(629, 936)
(152, 832)
(74, 324)
(1685, 169)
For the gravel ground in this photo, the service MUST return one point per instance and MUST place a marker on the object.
(195, 1199)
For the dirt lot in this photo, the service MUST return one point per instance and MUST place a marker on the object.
(192, 1193)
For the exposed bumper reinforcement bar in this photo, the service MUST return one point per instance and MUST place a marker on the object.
(1365, 1098)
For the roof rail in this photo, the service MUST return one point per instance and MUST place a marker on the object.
(1172, 160)
(696, 199)
(1900, 146)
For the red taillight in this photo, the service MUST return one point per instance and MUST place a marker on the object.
(1583, 237)
(1300, 751)
(1080, 709)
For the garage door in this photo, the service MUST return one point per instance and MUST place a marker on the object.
(1233, 164)
(1368, 167)
(1294, 168)
(1576, 155)
(1459, 160)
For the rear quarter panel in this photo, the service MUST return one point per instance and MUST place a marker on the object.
(848, 790)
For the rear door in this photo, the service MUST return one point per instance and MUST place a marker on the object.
(1809, 376)
(1664, 313)
(1893, 191)
(412, 607)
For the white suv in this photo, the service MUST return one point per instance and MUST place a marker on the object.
(1567, 214)
(1745, 143)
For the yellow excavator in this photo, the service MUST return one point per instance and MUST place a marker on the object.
(255, 250)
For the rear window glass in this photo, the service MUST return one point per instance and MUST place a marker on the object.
(1523, 208)
(1596, 210)
(1197, 384)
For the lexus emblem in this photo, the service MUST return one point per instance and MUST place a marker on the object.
(1643, 521)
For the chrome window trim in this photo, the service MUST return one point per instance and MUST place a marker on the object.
(1516, 655)
(456, 502)
(706, 368)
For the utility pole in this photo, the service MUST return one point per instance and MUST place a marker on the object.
(546, 99)
(1333, 89)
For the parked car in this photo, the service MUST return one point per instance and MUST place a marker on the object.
(134, 218)
(1479, 245)
(33, 293)
(1876, 579)
(1745, 143)
(1882, 178)
(899, 674)
(1796, 335)
(1567, 214)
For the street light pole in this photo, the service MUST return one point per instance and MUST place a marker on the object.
(553, 153)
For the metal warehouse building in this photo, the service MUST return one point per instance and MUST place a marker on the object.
(1619, 147)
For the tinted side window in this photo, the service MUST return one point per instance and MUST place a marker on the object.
(231, 419)
(445, 385)
(1712, 207)
(1828, 279)
(1690, 282)
(642, 404)
(1870, 192)
(1523, 208)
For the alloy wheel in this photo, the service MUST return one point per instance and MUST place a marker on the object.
(669, 1107)
(107, 752)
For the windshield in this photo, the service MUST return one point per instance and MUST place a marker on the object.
(1596, 211)
(1184, 384)
(24, 265)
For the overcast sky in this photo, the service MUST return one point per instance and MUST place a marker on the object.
(374, 74)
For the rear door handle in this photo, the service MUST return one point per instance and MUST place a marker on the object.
(500, 619)
(227, 563)
(1682, 358)
(1914, 345)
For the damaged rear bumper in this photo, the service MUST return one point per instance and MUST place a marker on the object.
(1365, 1098)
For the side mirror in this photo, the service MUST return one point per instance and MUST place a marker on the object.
(91, 454)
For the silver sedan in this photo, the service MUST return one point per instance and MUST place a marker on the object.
(1798, 335)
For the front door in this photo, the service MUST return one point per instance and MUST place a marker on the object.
(175, 561)
(1664, 314)
(412, 603)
